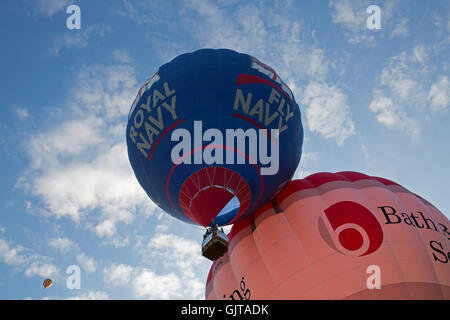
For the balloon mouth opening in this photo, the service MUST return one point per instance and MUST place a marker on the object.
(217, 201)
(229, 211)
(214, 195)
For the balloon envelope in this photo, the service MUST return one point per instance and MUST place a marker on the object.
(337, 236)
(213, 135)
(47, 283)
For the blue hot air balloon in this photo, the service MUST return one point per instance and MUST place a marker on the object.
(213, 135)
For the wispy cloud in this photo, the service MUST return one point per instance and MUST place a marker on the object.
(327, 112)
(41, 268)
(149, 285)
(62, 244)
(307, 165)
(351, 17)
(401, 29)
(49, 8)
(88, 264)
(176, 277)
(122, 56)
(25, 260)
(273, 34)
(401, 95)
(118, 274)
(78, 39)
(81, 164)
(90, 295)
(182, 260)
(277, 37)
(394, 115)
(439, 95)
(22, 113)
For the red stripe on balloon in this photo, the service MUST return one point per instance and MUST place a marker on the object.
(318, 179)
(250, 78)
(354, 176)
(162, 135)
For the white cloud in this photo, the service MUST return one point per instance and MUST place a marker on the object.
(347, 13)
(22, 113)
(385, 108)
(80, 165)
(400, 96)
(267, 34)
(441, 20)
(183, 253)
(421, 53)
(439, 95)
(365, 152)
(399, 76)
(393, 115)
(161, 228)
(91, 295)
(176, 277)
(63, 245)
(107, 183)
(351, 16)
(11, 256)
(183, 256)
(70, 138)
(122, 56)
(78, 39)
(327, 112)
(271, 34)
(88, 264)
(117, 241)
(23, 259)
(49, 8)
(42, 269)
(105, 91)
(401, 29)
(306, 165)
(118, 274)
(149, 285)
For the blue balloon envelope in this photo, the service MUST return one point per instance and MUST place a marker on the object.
(213, 135)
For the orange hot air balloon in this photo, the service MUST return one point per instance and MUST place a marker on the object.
(339, 235)
(47, 283)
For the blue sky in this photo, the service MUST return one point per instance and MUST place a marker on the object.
(374, 101)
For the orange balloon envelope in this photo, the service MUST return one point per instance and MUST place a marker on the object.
(339, 235)
(47, 283)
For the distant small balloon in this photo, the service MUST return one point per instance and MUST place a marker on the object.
(47, 283)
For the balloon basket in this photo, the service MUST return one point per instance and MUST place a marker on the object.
(215, 244)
